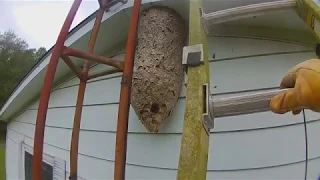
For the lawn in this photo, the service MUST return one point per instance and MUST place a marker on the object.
(2, 162)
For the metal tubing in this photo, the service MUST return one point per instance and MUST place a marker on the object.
(244, 104)
(45, 93)
(89, 56)
(78, 112)
(124, 104)
(101, 3)
(103, 73)
(72, 66)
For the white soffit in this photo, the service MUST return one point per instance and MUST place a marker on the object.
(246, 11)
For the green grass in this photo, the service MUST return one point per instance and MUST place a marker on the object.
(2, 163)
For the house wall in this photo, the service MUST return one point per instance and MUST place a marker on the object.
(257, 146)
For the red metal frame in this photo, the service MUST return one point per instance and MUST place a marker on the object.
(45, 93)
(91, 57)
(82, 86)
(103, 73)
(60, 50)
(125, 92)
(72, 66)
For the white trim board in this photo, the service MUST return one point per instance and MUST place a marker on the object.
(58, 165)
(242, 12)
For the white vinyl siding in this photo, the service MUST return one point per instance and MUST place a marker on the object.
(17, 146)
(255, 146)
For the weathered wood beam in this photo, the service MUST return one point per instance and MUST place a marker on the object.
(195, 139)
(309, 12)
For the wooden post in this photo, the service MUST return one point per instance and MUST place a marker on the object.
(195, 139)
(309, 12)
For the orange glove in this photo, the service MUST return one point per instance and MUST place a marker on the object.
(304, 79)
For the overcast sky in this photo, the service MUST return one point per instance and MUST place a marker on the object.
(39, 21)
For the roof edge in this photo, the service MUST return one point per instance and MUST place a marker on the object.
(46, 54)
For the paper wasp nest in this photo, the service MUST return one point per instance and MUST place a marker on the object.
(158, 71)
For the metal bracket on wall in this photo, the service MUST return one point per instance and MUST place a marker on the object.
(192, 56)
(208, 114)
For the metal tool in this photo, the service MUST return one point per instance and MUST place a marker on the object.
(236, 105)
(244, 104)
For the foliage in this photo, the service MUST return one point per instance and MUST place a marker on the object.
(16, 59)
(3, 126)
(2, 162)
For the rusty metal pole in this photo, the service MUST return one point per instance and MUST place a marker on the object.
(88, 56)
(124, 104)
(82, 86)
(103, 73)
(45, 93)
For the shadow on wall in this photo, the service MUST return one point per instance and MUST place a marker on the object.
(3, 130)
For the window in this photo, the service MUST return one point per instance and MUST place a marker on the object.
(52, 167)
(47, 170)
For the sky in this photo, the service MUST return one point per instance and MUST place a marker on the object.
(39, 21)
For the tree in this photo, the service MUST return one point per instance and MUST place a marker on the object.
(16, 59)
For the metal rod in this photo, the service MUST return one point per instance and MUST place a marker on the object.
(244, 104)
(78, 111)
(125, 92)
(45, 93)
(101, 3)
(72, 66)
(89, 56)
(103, 73)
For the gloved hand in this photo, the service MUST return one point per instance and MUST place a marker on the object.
(304, 79)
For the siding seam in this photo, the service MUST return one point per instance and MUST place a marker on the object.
(264, 39)
(210, 61)
(260, 55)
(178, 133)
(180, 97)
(152, 167)
(160, 167)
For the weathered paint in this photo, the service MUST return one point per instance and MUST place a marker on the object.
(195, 141)
(309, 12)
